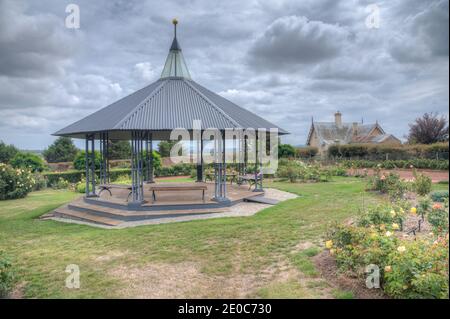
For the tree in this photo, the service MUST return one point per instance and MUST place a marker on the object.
(7, 152)
(428, 129)
(62, 150)
(286, 150)
(164, 147)
(119, 149)
(79, 162)
(29, 161)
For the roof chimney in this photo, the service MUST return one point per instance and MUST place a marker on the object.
(355, 128)
(338, 119)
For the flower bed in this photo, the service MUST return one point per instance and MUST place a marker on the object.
(393, 164)
(410, 266)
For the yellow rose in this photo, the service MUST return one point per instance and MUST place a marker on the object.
(395, 226)
(413, 210)
(388, 269)
(393, 213)
(329, 244)
(401, 249)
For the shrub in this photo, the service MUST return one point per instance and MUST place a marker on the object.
(395, 152)
(80, 187)
(306, 152)
(390, 184)
(438, 218)
(123, 179)
(28, 161)
(40, 182)
(61, 184)
(388, 216)
(156, 161)
(421, 184)
(14, 182)
(79, 163)
(420, 270)
(357, 247)
(7, 277)
(392, 164)
(408, 269)
(439, 196)
(7, 152)
(424, 207)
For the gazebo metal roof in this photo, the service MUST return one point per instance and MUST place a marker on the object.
(173, 101)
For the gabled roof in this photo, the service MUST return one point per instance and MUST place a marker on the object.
(329, 133)
(174, 101)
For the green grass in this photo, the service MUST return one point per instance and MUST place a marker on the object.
(41, 250)
(341, 294)
(303, 261)
(439, 187)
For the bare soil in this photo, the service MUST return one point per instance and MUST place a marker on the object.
(326, 265)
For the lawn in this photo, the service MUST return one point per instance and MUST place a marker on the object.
(265, 255)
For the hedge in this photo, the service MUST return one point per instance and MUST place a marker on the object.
(75, 176)
(392, 164)
(379, 151)
(306, 152)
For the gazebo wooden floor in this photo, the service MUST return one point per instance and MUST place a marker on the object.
(113, 210)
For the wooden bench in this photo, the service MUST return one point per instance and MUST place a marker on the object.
(177, 188)
(108, 187)
(250, 179)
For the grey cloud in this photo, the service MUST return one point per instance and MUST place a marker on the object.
(392, 74)
(32, 46)
(293, 40)
(425, 35)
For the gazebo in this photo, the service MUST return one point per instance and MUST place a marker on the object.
(150, 114)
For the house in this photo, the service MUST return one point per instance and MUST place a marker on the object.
(324, 134)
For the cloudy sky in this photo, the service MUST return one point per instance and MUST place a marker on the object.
(287, 61)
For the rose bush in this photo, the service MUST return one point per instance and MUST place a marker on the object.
(408, 269)
(14, 182)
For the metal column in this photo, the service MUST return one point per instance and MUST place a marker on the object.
(220, 177)
(90, 166)
(137, 187)
(258, 167)
(149, 157)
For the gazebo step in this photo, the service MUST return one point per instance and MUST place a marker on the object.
(66, 212)
(132, 215)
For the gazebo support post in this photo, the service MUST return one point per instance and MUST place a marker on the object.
(242, 142)
(200, 164)
(137, 189)
(90, 166)
(258, 170)
(149, 157)
(220, 191)
(86, 165)
(104, 164)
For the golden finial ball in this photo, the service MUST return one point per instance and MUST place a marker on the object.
(175, 21)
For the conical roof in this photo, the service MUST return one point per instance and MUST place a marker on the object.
(173, 101)
(175, 65)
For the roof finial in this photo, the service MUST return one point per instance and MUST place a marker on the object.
(175, 22)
